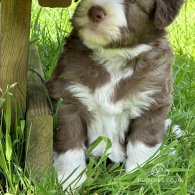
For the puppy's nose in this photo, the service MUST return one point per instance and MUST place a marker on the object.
(96, 14)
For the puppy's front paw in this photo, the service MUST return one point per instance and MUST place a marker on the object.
(137, 154)
(69, 166)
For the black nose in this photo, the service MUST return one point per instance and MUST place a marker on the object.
(96, 14)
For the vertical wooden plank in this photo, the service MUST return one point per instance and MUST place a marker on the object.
(15, 30)
(0, 25)
(39, 131)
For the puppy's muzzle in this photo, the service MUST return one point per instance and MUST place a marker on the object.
(96, 14)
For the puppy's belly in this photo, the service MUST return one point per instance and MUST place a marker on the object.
(112, 126)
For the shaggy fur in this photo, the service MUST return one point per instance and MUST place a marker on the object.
(114, 76)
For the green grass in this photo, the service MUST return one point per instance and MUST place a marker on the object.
(167, 174)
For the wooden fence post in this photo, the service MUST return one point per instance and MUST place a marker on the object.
(14, 36)
(39, 132)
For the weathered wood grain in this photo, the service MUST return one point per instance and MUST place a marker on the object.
(39, 119)
(55, 3)
(15, 30)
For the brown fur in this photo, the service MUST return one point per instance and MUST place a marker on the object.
(152, 70)
(166, 11)
(74, 65)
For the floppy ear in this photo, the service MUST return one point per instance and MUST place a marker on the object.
(166, 11)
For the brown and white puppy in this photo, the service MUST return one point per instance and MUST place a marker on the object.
(114, 77)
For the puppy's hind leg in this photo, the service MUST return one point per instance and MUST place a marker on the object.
(176, 129)
(69, 149)
(145, 138)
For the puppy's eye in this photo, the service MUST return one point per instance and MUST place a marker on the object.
(131, 1)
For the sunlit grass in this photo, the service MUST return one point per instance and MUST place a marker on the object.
(172, 172)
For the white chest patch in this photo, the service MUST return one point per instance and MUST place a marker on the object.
(111, 119)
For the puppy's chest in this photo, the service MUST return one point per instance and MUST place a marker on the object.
(101, 100)
(110, 118)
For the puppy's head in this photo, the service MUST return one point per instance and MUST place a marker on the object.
(123, 22)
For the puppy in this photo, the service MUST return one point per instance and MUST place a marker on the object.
(114, 76)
